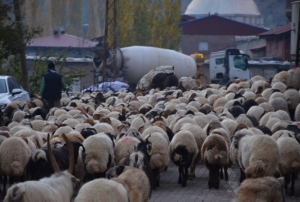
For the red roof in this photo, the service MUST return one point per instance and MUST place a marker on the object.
(217, 25)
(62, 40)
(258, 48)
(277, 31)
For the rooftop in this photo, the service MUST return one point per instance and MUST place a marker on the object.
(277, 31)
(62, 40)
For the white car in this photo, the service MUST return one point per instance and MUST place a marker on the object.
(11, 90)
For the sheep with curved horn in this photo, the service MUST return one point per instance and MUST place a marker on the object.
(58, 187)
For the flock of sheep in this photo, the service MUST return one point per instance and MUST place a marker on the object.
(114, 146)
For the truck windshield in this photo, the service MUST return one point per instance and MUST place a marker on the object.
(239, 62)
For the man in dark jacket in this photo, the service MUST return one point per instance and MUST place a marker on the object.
(51, 87)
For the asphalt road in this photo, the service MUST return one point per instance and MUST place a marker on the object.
(197, 189)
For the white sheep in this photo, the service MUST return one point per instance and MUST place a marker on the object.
(102, 190)
(124, 146)
(58, 187)
(134, 180)
(160, 156)
(289, 163)
(261, 189)
(104, 128)
(99, 155)
(258, 155)
(14, 154)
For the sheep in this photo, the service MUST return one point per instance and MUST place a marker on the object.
(183, 151)
(14, 154)
(293, 99)
(81, 126)
(63, 129)
(58, 187)
(39, 166)
(18, 116)
(279, 103)
(38, 125)
(284, 77)
(99, 155)
(70, 122)
(289, 163)
(187, 83)
(256, 111)
(104, 127)
(215, 155)
(258, 155)
(154, 128)
(234, 147)
(124, 146)
(160, 156)
(134, 180)
(140, 123)
(87, 132)
(4, 133)
(182, 121)
(102, 190)
(261, 189)
(294, 72)
(244, 119)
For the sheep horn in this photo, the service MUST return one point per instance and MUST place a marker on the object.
(148, 137)
(51, 156)
(71, 153)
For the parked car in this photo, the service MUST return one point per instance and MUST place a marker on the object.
(11, 90)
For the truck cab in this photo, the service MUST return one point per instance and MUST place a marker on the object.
(228, 64)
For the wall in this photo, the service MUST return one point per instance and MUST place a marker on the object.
(190, 43)
(279, 46)
(247, 45)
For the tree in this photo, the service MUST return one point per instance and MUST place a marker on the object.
(14, 34)
(149, 23)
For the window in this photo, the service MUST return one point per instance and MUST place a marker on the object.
(203, 46)
(3, 86)
(239, 62)
(219, 61)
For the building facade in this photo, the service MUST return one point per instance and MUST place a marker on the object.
(213, 33)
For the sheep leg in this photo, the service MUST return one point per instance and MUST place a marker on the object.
(286, 182)
(192, 172)
(158, 178)
(210, 179)
(216, 178)
(243, 176)
(185, 176)
(221, 174)
(226, 172)
(180, 169)
(4, 185)
(11, 180)
(293, 184)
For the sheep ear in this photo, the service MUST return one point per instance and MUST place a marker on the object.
(120, 169)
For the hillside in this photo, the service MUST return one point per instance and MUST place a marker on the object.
(272, 10)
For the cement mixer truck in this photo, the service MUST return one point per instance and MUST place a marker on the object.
(135, 61)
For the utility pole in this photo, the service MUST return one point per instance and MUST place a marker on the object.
(110, 38)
